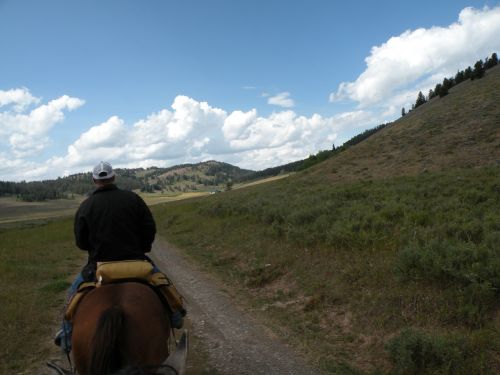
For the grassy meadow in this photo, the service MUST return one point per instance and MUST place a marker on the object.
(14, 211)
(398, 275)
(37, 263)
(392, 276)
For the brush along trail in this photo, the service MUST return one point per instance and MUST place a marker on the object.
(234, 341)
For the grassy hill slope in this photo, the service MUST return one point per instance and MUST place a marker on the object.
(365, 263)
(460, 130)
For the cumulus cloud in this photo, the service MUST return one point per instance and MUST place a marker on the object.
(27, 133)
(248, 131)
(190, 131)
(424, 55)
(237, 122)
(282, 99)
(19, 98)
(106, 139)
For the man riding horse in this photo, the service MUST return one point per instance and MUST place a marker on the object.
(115, 225)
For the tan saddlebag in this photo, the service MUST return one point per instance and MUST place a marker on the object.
(108, 272)
(169, 291)
(83, 289)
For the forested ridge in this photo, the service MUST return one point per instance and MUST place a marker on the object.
(180, 178)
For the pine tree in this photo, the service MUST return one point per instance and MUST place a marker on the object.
(447, 83)
(420, 99)
(478, 71)
(443, 91)
(494, 58)
(468, 73)
(459, 77)
(437, 90)
(403, 112)
(491, 62)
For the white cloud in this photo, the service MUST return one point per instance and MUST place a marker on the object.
(24, 145)
(100, 142)
(19, 98)
(237, 122)
(192, 131)
(282, 99)
(189, 130)
(414, 56)
(286, 133)
(26, 134)
(111, 133)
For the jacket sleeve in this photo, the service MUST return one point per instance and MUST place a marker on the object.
(81, 230)
(148, 226)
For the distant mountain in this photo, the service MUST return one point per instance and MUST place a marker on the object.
(205, 176)
(188, 177)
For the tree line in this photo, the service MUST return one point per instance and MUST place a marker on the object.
(193, 177)
(441, 89)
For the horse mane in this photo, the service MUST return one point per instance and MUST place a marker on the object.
(105, 354)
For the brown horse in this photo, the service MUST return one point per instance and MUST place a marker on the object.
(118, 326)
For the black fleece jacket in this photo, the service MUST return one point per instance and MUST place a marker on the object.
(114, 224)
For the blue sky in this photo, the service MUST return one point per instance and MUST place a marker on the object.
(253, 83)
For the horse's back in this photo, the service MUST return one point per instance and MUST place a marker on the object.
(144, 325)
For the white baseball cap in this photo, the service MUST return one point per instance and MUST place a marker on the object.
(103, 171)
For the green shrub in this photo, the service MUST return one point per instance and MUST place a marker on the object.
(471, 271)
(415, 352)
(440, 231)
(450, 261)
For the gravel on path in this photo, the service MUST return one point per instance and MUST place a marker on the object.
(235, 341)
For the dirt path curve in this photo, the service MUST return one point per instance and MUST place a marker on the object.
(236, 343)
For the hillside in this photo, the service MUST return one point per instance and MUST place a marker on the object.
(461, 129)
(383, 259)
(205, 176)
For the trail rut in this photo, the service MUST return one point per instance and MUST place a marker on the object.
(235, 341)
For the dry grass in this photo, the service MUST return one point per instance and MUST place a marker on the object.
(157, 198)
(12, 210)
(36, 267)
(261, 181)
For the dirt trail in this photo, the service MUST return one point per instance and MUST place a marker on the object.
(236, 343)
